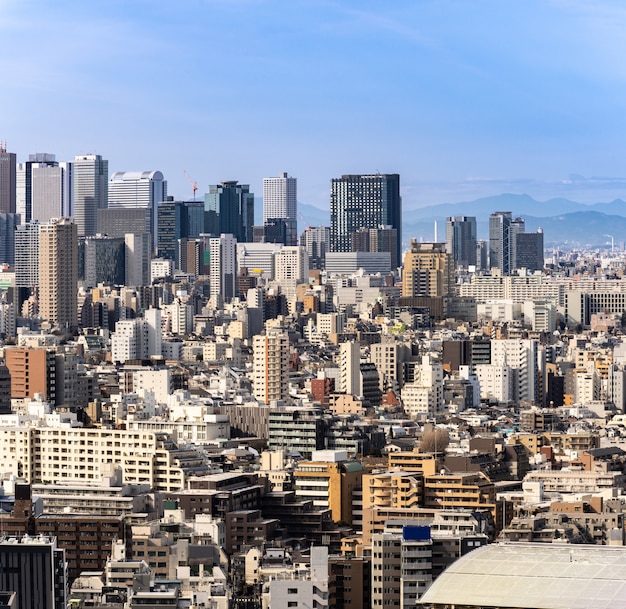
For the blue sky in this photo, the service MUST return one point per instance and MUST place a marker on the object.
(462, 98)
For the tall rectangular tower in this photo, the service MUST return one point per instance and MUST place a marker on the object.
(270, 366)
(40, 188)
(58, 272)
(428, 271)
(7, 180)
(139, 190)
(364, 201)
(90, 191)
(499, 241)
(461, 239)
(280, 200)
(229, 208)
(8, 224)
(223, 267)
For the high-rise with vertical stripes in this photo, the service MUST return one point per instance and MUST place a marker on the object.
(90, 191)
(364, 201)
(280, 201)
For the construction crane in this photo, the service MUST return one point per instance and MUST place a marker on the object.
(194, 184)
(302, 219)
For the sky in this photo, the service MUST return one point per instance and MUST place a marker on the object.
(463, 99)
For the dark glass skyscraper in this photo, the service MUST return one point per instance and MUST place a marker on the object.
(461, 239)
(178, 220)
(510, 247)
(499, 241)
(364, 201)
(229, 209)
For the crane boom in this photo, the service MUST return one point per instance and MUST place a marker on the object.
(194, 184)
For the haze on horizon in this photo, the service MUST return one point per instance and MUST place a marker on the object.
(463, 99)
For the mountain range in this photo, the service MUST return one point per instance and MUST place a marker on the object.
(565, 223)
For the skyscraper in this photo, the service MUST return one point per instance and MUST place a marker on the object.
(90, 191)
(58, 272)
(316, 241)
(139, 189)
(229, 209)
(8, 223)
(364, 201)
(511, 247)
(529, 251)
(7, 180)
(222, 267)
(461, 240)
(178, 220)
(34, 568)
(42, 188)
(499, 241)
(280, 201)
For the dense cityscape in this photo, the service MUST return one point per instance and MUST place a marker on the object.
(201, 412)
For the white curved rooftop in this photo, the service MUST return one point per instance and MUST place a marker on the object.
(541, 576)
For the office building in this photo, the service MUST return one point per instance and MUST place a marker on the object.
(101, 260)
(316, 242)
(529, 251)
(137, 258)
(499, 241)
(428, 271)
(229, 209)
(144, 190)
(461, 240)
(291, 263)
(58, 272)
(223, 267)
(270, 367)
(120, 221)
(8, 224)
(7, 180)
(258, 258)
(43, 189)
(364, 201)
(177, 220)
(280, 201)
(276, 230)
(341, 263)
(90, 191)
(35, 569)
(510, 247)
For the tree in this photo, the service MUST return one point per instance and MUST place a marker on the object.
(434, 440)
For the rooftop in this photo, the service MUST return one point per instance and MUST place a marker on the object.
(534, 575)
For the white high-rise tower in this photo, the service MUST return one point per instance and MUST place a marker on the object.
(139, 190)
(280, 200)
(90, 191)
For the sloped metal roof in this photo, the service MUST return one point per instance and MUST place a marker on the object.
(534, 575)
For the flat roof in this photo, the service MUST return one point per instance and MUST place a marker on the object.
(534, 575)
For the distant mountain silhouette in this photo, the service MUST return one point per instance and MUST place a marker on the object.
(564, 222)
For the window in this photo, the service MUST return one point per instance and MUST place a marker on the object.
(292, 590)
